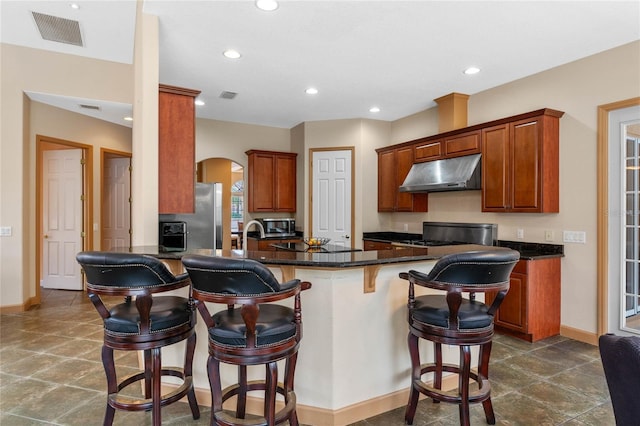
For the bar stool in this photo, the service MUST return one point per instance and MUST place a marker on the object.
(453, 320)
(259, 333)
(146, 323)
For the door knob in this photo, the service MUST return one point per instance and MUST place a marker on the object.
(46, 236)
(346, 237)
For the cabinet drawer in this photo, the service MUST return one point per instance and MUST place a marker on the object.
(466, 144)
(377, 245)
(427, 151)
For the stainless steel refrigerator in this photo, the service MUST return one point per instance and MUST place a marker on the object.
(204, 227)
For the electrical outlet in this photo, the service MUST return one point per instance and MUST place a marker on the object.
(548, 235)
(405, 227)
(520, 233)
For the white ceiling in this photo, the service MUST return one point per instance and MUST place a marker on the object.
(397, 55)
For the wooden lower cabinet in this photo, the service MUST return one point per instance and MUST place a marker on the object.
(531, 308)
(376, 245)
(255, 244)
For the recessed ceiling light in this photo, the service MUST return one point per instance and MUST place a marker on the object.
(199, 102)
(472, 70)
(74, 6)
(374, 109)
(311, 91)
(267, 5)
(128, 119)
(231, 54)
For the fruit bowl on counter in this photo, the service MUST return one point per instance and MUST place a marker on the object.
(315, 242)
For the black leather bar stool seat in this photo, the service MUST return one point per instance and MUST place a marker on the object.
(258, 333)
(143, 322)
(452, 319)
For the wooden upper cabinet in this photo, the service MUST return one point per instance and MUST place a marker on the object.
(464, 144)
(495, 168)
(520, 165)
(428, 151)
(456, 145)
(176, 150)
(393, 167)
(271, 182)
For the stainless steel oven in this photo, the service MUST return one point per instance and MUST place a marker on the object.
(173, 236)
(282, 227)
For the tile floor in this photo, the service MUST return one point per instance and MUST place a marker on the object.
(51, 374)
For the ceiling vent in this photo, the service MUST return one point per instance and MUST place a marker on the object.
(58, 29)
(91, 107)
(228, 95)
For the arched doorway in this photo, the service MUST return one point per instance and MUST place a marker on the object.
(231, 175)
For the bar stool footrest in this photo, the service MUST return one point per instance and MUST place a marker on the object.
(479, 395)
(226, 419)
(127, 403)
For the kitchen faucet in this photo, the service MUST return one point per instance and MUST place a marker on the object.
(246, 228)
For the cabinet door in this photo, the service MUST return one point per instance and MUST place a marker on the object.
(285, 183)
(404, 161)
(512, 313)
(427, 151)
(464, 144)
(526, 163)
(176, 150)
(495, 168)
(386, 181)
(261, 187)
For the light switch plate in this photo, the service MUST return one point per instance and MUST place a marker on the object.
(579, 237)
(5, 231)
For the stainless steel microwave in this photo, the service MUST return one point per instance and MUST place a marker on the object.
(282, 227)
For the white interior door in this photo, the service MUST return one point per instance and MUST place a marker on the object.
(331, 198)
(62, 218)
(116, 204)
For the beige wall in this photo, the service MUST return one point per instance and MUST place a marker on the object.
(25, 69)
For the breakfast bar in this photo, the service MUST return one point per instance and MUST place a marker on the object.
(353, 360)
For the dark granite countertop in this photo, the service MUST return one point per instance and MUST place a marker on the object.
(322, 260)
(528, 251)
(533, 251)
(301, 247)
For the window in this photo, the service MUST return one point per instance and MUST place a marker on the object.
(237, 203)
(631, 187)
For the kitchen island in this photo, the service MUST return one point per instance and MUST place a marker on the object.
(353, 361)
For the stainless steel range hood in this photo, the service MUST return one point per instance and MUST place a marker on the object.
(451, 174)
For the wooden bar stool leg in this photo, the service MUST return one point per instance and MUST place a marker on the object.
(213, 371)
(241, 407)
(156, 374)
(188, 372)
(289, 374)
(112, 382)
(437, 376)
(415, 376)
(483, 370)
(270, 393)
(147, 373)
(463, 384)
